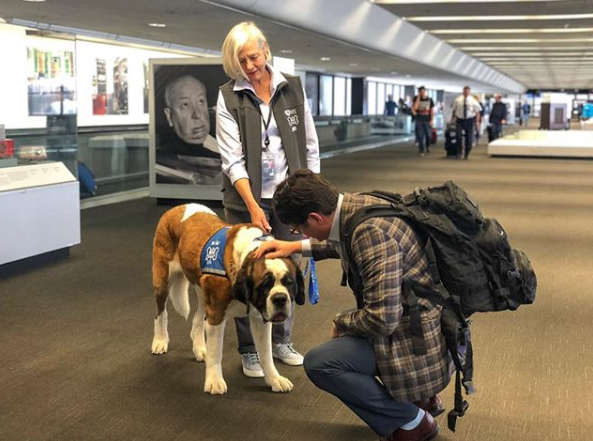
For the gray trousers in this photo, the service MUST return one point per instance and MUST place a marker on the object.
(423, 134)
(281, 333)
(346, 368)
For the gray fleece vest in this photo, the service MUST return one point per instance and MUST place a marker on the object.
(288, 105)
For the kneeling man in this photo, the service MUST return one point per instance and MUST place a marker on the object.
(369, 363)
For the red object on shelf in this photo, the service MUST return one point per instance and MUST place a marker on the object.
(6, 148)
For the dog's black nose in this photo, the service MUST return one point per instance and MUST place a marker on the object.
(279, 300)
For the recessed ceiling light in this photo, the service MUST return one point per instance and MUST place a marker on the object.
(375, 69)
(394, 73)
(285, 51)
(408, 75)
(157, 25)
(325, 58)
(353, 64)
(34, 1)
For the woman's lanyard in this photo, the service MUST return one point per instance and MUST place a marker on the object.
(266, 125)
(268, 159)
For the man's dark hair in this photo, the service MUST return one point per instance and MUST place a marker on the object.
(421, 88)
(302, 193)
(467, 87)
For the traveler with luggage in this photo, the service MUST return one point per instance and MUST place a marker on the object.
(498, 117)
(466, 111)
(423, 111)
(381, 239)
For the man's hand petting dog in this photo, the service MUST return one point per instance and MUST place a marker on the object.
(277, 248)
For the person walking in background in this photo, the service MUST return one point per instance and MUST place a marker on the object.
(525, 112)
(265, 132)
(466, 111)
(423, 111)
(479, 119)
(498, 116)
(390, 106)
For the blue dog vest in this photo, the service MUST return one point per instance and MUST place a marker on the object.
(213, 253)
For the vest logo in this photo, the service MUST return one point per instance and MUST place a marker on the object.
(212, 252)
(292, 118)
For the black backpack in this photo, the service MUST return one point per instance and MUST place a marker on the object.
(473, 267)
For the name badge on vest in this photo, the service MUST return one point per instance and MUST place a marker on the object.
(292, 118)
(268, 164)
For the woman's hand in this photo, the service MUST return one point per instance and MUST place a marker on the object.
(258, 217)
(273, 249)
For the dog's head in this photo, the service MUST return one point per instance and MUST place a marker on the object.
(270, 286)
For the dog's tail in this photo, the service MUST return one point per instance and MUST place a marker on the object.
(168, 277)
(178, 290)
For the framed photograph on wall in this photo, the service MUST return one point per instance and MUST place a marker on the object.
(185, 161)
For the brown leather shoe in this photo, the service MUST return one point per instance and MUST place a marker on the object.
(426, 430)
(433, 405)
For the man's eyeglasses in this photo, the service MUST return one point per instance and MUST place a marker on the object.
(295, 229)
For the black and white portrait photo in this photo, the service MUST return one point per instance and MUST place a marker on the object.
(186, 151)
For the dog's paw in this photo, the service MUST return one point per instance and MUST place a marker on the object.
(215, 386)
(160, 346)
(200, 352)
(280, 384)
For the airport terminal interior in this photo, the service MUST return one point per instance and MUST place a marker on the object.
(91, 156)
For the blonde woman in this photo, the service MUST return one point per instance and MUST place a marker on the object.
(265, 131)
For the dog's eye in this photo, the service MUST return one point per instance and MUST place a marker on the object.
(268, 279)
(287, 281)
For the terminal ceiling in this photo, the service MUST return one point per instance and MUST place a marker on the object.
(310, 30)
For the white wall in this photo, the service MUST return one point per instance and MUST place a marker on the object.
(14, 112)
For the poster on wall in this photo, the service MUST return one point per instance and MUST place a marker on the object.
(51, 82)
(110, 87)
(185, 160)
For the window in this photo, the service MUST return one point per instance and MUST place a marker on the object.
(372, 98)
(348, 96)
(339, 96)
(381, 98)
(325, 95)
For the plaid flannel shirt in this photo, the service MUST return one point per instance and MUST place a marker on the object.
(387, 251)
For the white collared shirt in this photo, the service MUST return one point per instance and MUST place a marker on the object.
(334, 232)
(229, 140)
(473, 107)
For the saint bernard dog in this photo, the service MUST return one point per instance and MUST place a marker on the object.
(188, 239)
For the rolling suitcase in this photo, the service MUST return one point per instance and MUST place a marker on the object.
(451, 140)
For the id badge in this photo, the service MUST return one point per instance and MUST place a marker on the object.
(268, 164)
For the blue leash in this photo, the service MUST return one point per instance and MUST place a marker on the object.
(313, 285)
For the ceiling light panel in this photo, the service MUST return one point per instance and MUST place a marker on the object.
(472, 49)
(520, 40)
(499, 17)
(422, 2)
(512, 31)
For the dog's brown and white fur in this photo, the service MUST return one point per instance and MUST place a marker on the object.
(263, 289)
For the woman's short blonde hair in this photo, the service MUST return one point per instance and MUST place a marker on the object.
(234, 42)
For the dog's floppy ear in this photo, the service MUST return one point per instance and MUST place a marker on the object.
(300, 282)
(244, 283)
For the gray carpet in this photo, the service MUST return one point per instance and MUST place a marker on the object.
(75, 359)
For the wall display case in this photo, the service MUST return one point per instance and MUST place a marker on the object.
(185, 161)
(40, 203)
